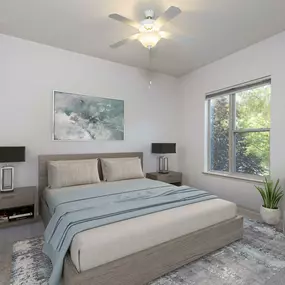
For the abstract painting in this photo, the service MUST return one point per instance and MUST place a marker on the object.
(87, 118)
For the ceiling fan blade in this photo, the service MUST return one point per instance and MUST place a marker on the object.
(124, 41)
(168, 15)
(125, 20)
(177, 38)
(166, 35)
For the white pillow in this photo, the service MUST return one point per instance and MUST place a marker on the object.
(72, 172)
(115, 169)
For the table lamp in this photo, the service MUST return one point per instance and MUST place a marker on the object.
(163, 148)
(10, 154)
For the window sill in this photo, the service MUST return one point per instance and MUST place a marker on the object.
(232, 176)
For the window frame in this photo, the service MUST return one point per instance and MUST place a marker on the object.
(233, 130)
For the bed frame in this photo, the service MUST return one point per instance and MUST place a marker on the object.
(144, 266)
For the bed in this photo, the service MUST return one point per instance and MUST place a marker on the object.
(145, 247)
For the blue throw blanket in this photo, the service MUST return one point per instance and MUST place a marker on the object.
(76, 209)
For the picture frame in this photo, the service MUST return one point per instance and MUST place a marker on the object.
(79, 117)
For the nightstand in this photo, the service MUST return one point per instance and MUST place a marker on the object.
(19, 202)
(172, 177)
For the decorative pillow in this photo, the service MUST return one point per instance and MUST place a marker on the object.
(115, 169)
(65, 173)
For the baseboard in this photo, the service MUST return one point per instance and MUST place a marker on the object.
(251, 214)
(248, 213)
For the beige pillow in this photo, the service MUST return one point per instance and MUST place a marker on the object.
(115, 169)
(72, 172)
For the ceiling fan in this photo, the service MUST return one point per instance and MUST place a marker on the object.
(149, 33)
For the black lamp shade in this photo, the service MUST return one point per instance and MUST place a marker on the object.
(163, 148)
(12, 154)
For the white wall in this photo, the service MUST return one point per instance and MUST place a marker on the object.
(262, 59)
(29, 72)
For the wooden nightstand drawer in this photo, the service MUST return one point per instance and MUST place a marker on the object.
(19, 206)
(19, 197)
(171, 177)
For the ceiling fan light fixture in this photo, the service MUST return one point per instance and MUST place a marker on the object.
(147, 25)
(149, 29)
(149, 39)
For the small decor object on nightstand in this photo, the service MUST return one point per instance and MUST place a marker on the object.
(10, 154)
(271, 195)
(163, 148)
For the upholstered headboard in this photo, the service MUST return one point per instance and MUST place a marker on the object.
(43, 159)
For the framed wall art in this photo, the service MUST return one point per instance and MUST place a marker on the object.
(86, 118)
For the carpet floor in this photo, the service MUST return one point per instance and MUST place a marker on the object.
(257, 259)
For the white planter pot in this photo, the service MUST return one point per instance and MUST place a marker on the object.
(270, 216)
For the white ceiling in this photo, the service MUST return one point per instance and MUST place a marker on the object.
(217, 28)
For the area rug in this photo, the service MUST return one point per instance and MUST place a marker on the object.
(257, 259)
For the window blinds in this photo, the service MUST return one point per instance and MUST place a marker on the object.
(240, 87)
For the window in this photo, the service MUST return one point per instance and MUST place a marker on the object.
(239, 129)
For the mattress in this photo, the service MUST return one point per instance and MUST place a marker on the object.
(98, 246)
(101, 245)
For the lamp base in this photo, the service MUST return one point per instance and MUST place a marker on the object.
(163, 165)
(7, 179)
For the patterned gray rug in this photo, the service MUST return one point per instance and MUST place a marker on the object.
(258, 259)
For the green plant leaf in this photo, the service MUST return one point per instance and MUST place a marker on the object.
(276, 185)
(262, 193)
(271, 193)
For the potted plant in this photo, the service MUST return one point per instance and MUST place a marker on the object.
(271, 194)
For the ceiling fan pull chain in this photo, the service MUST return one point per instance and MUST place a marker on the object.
(150, 74)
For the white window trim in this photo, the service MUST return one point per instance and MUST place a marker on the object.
(232, 131)
(238, 176)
